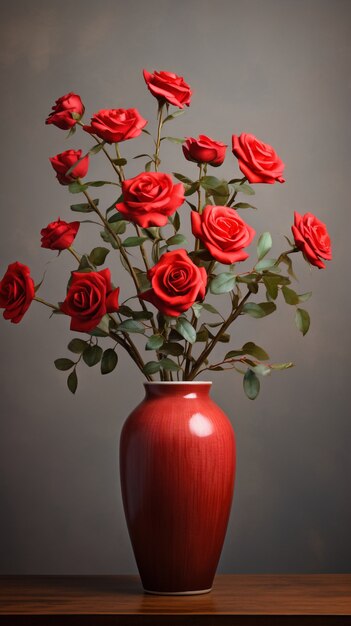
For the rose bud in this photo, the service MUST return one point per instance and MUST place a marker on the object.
(115, 125)
(312, 238)
(258, 161)
(176, 283)
(168, 87)
(89, 298)
(204, 150)
(223, 232)
(64, 161)
(61, 115)
(17, 292)
(150, 198)
(59, 235)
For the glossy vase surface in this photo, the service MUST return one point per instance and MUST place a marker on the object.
(177, 468)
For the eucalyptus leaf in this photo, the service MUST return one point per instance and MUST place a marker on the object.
(222, 283)
(72, 381)
(92, 355)
(154, 342)
(186, 330)
(109, 361)
(64, 364)
(302, 320)
(259, 310)
(264, 245)
(251, 384)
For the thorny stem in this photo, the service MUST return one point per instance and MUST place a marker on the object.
(197, 241)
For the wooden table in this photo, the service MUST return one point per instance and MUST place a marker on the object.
(236, 600)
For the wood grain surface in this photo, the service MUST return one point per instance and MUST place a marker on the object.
(235, 600)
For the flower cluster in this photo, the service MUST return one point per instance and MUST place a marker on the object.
(175, 281)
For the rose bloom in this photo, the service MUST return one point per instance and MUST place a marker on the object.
(204, 150)
(223, 232)
(59, 235)
(16, 291)
(168, 87)
(149, 198)
(90, 296)
(114, 125)
(312, 238)
(62, 109)
(258, 161)
(64, 161)
(176, 283)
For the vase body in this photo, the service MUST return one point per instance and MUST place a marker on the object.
(177, 468)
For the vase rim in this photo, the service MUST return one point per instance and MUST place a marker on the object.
(178, 382)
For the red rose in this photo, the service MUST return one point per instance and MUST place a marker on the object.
(312, 238)
(62, 109)
(176, 283)
(89, 298)
(168, 87)
(16, 292)
(59, 235)
(204, 150)
(223, 232)
(64, 161)
(149, 198)
(114, 125)
(257, 160)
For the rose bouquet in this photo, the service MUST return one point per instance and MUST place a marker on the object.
(173, 275)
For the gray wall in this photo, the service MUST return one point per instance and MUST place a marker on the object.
(279, 69)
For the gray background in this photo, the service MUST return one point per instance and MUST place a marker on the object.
(279, 69)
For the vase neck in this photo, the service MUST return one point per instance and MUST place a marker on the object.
(184, 389)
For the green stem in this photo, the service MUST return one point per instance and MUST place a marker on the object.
(158, 140)
(74, 253)
(52, 306)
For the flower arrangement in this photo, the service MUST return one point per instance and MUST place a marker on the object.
(169, 309)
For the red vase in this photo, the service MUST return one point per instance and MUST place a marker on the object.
(177, 468)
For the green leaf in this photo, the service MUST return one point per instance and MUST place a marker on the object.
(183, 179)
(210, 308)
(142, 315)
(216, 186)
(197, 308)
(63, 364)
(222, 283)
(83, 208)
(244, 188)
(116, 217)
(233, 354)
(271, 286)
(109, 361)
(243, 205)
(259, 310)
(264, 245)
(254, 350)
(281, 366)
(290, 296)
(120, 161)
(176, 240)
(151, 367)
(102, 329)
(75, 115)
(190, 189)
(96, 149)
(92, 355)
(77, 187)
(302, 320)
(77, 345)
(72, 381)
(176, 221)
(174, 139)
(154, 342)
(131, 326)
(303, 297)
(98, 255)
(173, 115)
(132, 242)
(261, 369)
(202, 334)
(251, 384)
(186, 330)
(118, 226)
(265, 264)
(98, 183)
(168, 364)
(175, 349)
